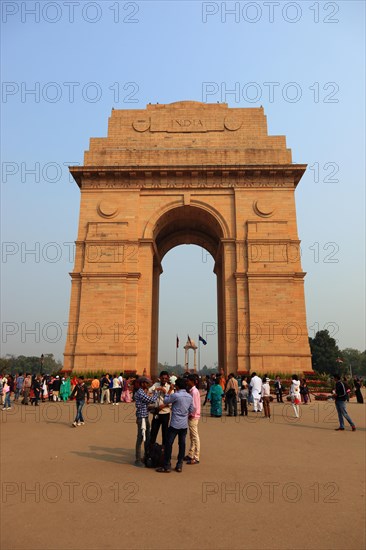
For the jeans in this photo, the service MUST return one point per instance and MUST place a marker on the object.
(243, 407)
(172, 434)
(342, 412)
(96, 395)
(232, 404)
(163, 421)
(79, 408)
(7, 400)
(36, 396)
(115, 395)
(279, 396)
(139, 439)
(26, 392)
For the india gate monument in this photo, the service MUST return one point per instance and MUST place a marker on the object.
(188, 173)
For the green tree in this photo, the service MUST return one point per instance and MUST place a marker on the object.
(325, 353)
(12, 364)
(354, 360)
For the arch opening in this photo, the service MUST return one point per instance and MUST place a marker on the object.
(190, 225)
(187, 225)
(188, 305)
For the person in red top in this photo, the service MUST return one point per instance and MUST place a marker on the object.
(193, 456)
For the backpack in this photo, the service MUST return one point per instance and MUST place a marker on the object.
(155, 458)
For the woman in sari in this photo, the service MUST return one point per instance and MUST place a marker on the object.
(215, 398)
(65, 389)
(126, 396)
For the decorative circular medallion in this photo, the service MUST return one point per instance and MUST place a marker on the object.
(107, 209)
(232, 123)
(263, 208)
(141, 124)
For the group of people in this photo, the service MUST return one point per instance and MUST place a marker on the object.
(35, 388)
(167, 401)
(175, 407)
(256, 391)
(32, 389)
(110, 389)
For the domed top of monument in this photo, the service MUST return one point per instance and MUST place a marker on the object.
(186, 134)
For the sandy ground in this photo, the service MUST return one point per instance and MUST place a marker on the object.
(261, 484)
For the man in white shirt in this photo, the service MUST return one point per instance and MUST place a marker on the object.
(161, 414)
(256, 385)
(266, 397)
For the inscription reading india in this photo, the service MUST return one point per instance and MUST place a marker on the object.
(188, 123)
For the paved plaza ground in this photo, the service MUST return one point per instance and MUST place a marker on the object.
(261, 484)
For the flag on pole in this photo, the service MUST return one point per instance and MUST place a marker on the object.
(200, 339)
(339, 360)
(177, 341)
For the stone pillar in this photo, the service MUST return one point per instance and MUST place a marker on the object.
(229, 306)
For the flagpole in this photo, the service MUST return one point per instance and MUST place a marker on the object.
(199, 355)
(176, 352)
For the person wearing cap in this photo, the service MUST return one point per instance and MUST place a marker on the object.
(142, 400)
(266, 397)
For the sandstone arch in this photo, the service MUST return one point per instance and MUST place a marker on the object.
(196, 173)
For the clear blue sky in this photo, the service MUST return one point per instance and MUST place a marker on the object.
(164, 52)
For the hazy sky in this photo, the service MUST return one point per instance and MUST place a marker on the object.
(66, 64)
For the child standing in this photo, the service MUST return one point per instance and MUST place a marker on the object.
(243, 396)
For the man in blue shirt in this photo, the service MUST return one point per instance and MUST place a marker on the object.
(19, 386)
(182, 406)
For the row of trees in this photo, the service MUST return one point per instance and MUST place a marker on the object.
(326, 358)
(34, 365)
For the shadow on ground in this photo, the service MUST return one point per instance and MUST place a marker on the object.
(105, 454)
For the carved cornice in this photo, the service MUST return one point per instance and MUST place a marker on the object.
(194, 177)
(264, 275)
(101, 353)
(107, 275)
